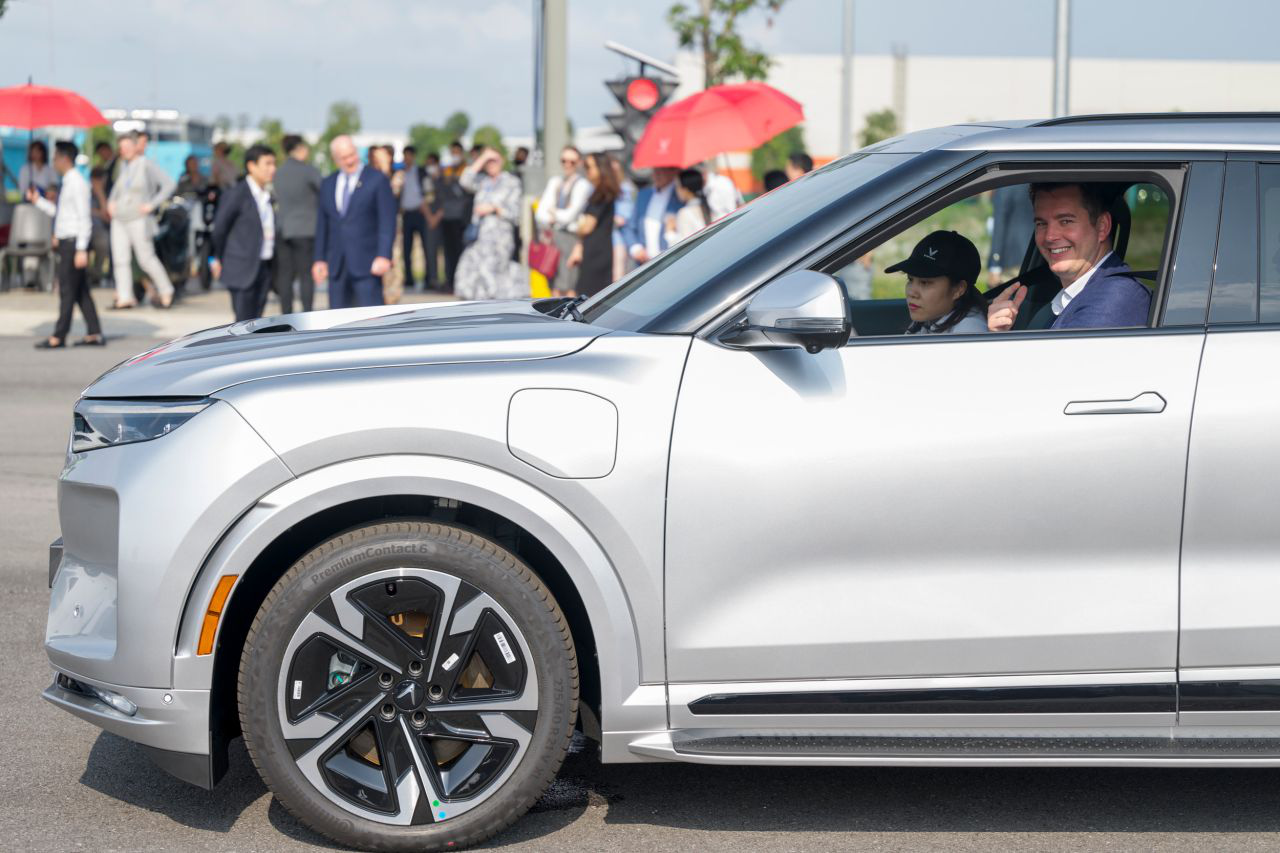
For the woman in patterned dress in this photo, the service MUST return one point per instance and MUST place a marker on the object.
(487, 269)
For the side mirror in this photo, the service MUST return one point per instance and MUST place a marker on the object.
(803, 309)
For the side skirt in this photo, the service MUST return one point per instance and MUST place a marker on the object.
(1150, 748)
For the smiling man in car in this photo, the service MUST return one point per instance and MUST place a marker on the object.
(1073, 232)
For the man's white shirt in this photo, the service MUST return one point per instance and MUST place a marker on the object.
(1064, 296)
(268, 217)
(71, 219)
(722, 195)
(655, 219)
(344, 178)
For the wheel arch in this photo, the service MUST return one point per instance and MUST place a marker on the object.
(301, 514)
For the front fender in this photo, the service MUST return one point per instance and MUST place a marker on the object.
(613, 624)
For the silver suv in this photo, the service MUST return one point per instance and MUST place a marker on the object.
(720, 513)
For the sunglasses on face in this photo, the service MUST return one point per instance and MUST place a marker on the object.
(569, 161)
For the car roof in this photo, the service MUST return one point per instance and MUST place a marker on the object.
(1116, 132)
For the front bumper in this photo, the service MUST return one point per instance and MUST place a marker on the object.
(171, 725)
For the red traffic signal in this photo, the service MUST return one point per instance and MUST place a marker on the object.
(642, 94)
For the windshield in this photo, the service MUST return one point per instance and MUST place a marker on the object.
(653, 288)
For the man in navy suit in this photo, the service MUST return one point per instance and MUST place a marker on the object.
(244, 235)
(1073, 233)
(645, 231)
(355, 229)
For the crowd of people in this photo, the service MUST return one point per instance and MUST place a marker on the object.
(280, 227)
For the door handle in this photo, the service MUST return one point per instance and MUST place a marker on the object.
(1148, 403)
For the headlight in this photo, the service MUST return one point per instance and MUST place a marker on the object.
(105, 423)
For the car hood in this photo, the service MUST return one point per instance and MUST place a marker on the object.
(344, 339)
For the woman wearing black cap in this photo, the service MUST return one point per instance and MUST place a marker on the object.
(941, 297)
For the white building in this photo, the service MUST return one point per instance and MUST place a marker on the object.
(928, 91)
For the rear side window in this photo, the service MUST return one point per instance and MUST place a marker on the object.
(1269, 243)
(1235, 280)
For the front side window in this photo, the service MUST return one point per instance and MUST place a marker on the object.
(998, 250)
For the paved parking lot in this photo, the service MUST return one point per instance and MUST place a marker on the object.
(66, 786)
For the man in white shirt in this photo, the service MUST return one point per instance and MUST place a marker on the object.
(244, 235)
(721, 193)
(72, 229)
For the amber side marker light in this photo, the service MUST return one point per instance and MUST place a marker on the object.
(210, 627)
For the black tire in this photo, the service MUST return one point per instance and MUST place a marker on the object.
(361, 575)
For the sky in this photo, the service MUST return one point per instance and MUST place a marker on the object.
(410, 61)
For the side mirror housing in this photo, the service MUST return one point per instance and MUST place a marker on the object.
(803, 309)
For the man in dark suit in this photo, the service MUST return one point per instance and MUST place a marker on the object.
(1073, 234)
(244, 235)
(355, 229)
(297, 188)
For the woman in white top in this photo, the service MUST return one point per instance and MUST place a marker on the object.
(36, 173)
(696, 212)
(941, 297)
(559, 209)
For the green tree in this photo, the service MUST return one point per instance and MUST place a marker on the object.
(456, 125)
(880, 126)
(712, 28)
(491, 136)
(272, 134)
(428, 139)
(774, 153)
(101, 133)
(344, 118)
(3, 3)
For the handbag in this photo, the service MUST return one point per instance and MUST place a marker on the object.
(471, 234)
(544, 256)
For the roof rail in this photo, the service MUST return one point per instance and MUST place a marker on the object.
(1224, 116)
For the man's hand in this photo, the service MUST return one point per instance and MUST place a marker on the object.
(32, 195)
(82, 259)
(215, 267)
(1004, 310)
(111, 209)
(639, 254)
(54, 242)
(380, 267)
(319, 271)
(146, 209)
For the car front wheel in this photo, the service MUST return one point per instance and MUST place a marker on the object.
(408, 686)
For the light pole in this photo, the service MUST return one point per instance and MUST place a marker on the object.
(846, 82)
(554, 55)
(1061, 58)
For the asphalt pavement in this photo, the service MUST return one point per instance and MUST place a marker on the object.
(64, 785)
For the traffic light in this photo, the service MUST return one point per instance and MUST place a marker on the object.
(640, 98)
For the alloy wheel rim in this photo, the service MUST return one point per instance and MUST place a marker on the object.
(407, 696)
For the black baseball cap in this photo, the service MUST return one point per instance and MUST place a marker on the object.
(942, 253)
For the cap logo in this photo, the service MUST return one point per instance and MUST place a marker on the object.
(932, 254)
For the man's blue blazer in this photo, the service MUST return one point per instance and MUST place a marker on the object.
(349, 243)
(633, 230)
(1113, 298)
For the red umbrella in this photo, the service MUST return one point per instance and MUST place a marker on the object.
(730, 117)
(41, 106)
